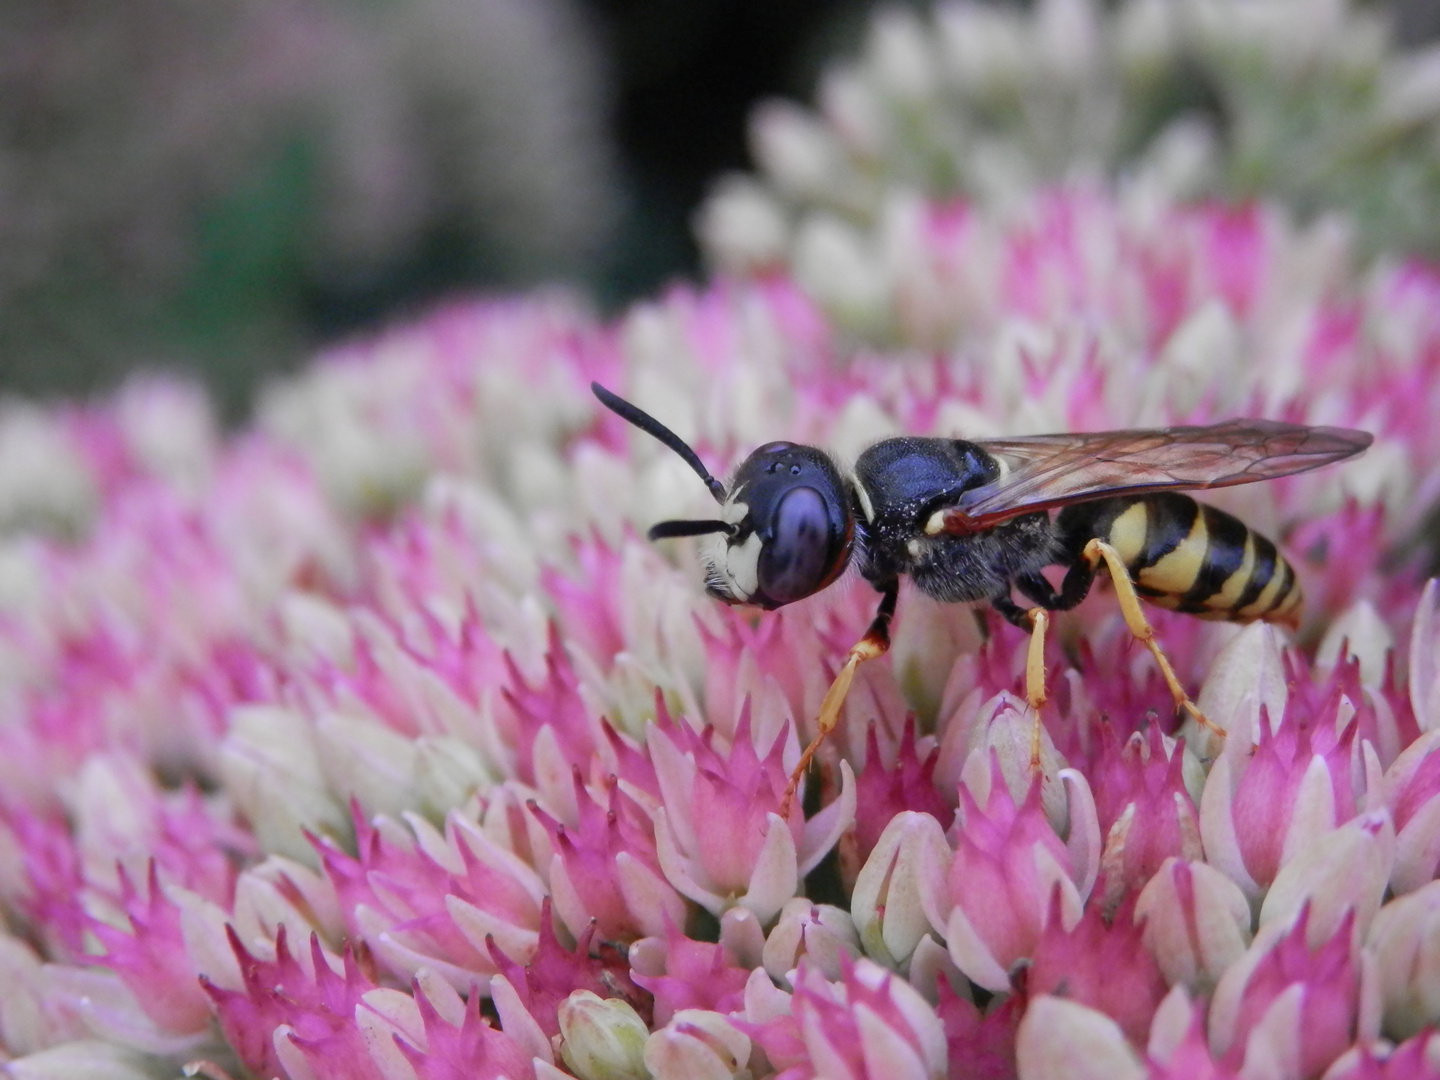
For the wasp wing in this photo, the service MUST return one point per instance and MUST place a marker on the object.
(1041, 472)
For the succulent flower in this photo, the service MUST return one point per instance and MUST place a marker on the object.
(420, 762)
(1295, 1006)
(1009, 877)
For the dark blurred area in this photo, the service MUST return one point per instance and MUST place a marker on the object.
(222, 187)
(686, 74)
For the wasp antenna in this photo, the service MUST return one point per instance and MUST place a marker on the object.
(648, 424)
(664, 530)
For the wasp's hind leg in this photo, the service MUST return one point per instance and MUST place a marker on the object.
(875, 643)
(1097, 551)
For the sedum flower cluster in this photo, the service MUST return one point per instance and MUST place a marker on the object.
(1304, 101)
(374, 741)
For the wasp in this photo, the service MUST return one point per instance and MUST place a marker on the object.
(980, 521)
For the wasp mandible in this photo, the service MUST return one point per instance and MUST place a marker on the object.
(971, 521)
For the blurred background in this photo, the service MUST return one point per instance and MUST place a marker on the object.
(220, 187)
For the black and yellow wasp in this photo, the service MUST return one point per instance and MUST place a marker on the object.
(971, 521)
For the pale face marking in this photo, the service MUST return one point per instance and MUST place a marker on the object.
(742, 566)
(734, 568)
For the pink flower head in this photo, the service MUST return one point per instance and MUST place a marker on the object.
(152, 958)
(432, 901)
(883, 791)
(1146, 813)
(868, 1025)
(49, 895)
(1100, 962)
(744, 668)
(751, 673)
(469, 1050)
(551, 723)
(1292, 1004)
(553, 972)
(980, 1045)
(1414, 796)
(1197, 923)
(605, 868)
(686, 974)
(1114, 687)
(719, 833)
(1414, 1059)
(1296, 785)
(425, 675)
(1325, 697)
(394, 670)
(1412, 792)
(589, 602)
(285, 1007)
(1008, 864)
(1190, 1058)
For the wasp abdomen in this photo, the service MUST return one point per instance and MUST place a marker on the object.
(1188, 557)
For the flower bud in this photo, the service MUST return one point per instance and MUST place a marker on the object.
(835, 265)
(819, 933)
(22, 1001)
(742, 227)
(1007, 868)
(1249, 672)
(1361, 633)
(272, 770)
(910, 859)
(88, 1059)
(1007, 740)
(1197, 922)
(697, 1044)
(1062, 1040)
(1335, 875)
(1406, 939)
(1425, 658)
(794, 148)
(44, 480)
(603, 1038)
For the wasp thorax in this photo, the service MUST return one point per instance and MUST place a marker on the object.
(793, 528)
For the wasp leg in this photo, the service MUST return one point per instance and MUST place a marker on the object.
(1096, 551)
(1037, 621)
(875, 643)
(1073, 589)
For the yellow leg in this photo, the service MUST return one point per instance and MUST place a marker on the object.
(1035, 658)
(1097, 550)
(1035, 677)
(876, 642)
(867, 648)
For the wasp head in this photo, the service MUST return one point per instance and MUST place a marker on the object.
(785, 529)
(792, 528)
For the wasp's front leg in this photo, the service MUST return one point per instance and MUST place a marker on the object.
(875, 643)
(1036, 621)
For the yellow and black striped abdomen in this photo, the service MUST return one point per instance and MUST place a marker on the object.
(1188, 557)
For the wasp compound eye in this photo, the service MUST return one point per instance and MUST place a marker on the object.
(798, 528)
(798, 556)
